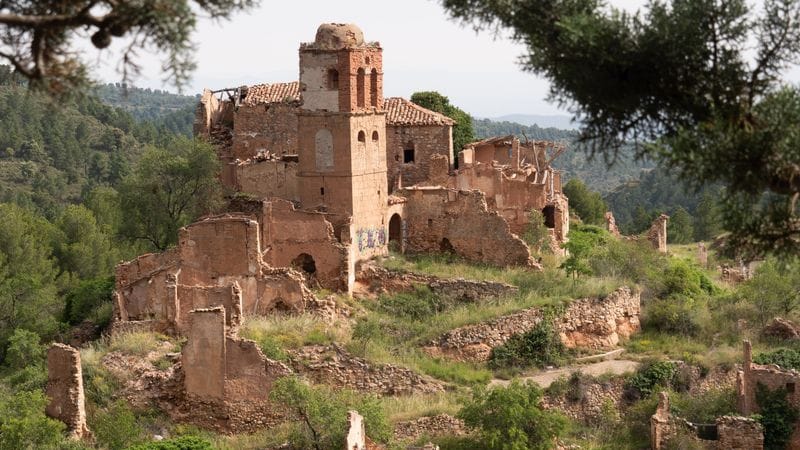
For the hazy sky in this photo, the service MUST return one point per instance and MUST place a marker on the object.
(422, 50)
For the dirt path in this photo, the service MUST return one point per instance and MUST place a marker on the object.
(543, 379)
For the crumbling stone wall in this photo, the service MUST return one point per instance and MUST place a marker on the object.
(290, 234)
(65, 389)
(657, 235)
(772, 377)
(601, 322)
(331, 364)
(732, 432)
(379, 280)
(589, 322)
(220, 367)
(265, 128)
(611, 224)
(426, 141)
(446, 220)
(213, 256)
(266, 178)
(431, 426)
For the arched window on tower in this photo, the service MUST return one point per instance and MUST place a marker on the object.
(362, 137)
(373, 88)
(374, 136)
(333, 79)
(360, 92)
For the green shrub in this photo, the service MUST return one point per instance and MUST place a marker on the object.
(271, 348)
(418, 304)
(24, 348)
(90, 299)
(650, 376)
(704, 407)
(675, 314)
(541, 346)
(23, 424)
(116, 427)
(778, 416)
(787, 358)
(572, 388)
(511, 418)
(324, 413)
(178, 443)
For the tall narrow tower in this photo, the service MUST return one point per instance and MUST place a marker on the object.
(341, 128)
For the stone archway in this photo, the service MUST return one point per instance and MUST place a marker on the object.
(395, 232)
(549, 213)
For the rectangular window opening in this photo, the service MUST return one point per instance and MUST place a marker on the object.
(408, 156)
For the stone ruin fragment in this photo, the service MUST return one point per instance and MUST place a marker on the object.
(65, 389)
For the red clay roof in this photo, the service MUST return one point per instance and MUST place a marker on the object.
(400, 111)
(273, 93)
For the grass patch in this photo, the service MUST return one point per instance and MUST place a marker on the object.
(136, 343)
(274, 334)
(409, 407)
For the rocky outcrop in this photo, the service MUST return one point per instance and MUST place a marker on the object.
(429, 426)
(782, 329)
(594, 322)
(333, 365)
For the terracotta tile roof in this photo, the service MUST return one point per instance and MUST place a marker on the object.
(273, 93)
(400, 111)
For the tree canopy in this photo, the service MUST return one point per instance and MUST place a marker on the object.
(679, 78)
(463, 132)
(39, 37)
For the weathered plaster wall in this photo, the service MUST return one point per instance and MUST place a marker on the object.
(441, 220)
(65, 389)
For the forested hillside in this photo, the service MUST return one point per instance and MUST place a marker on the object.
(172, 111)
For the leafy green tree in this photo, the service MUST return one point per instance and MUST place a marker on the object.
(323, 413)
(511, 418)
(582, 239)
(463, 133)
(168, 189)
(37, 38)
(83, 248)
(23, 424)
(587, 204)
(679, 77)
(178, 443)
(707, 223)
(537, 236)
(90, 299)
(778, 416)
(679, 227)
(28, 275)
(774, 288)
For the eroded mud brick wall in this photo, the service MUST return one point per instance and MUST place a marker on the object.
(305, 241)
(203, 355)
(144, 287)
(444, 220)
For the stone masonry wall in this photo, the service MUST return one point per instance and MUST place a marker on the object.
(267, 178)
(264, 128)
(445, 220)
(65, 389)
(588, 322)
(426, 141)
(332, 365)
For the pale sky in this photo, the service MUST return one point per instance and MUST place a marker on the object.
(422, 50)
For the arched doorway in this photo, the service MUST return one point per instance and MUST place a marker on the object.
(395, 232)
(305, 262)
(446, 247)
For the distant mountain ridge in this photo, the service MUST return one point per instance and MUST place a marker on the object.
(563, 122)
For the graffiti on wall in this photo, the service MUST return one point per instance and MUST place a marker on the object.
(368, 238)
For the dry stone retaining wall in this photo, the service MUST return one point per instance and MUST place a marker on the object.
(588, 322)
(430, 426)
(332, 365)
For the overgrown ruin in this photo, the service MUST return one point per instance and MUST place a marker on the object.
(65, 389)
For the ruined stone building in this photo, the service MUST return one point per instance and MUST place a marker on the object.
(329, 175)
